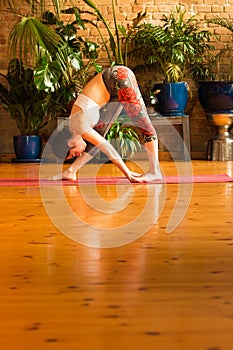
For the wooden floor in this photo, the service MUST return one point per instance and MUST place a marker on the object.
(164, 291)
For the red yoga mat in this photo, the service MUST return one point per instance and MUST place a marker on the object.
(111, 180)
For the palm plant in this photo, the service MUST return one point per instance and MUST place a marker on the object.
(30, 37)
(176, 48)
(60, 59)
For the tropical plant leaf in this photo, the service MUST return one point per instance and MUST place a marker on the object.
(46, 76)
(28, 35)
(20, 97)
(124, 138)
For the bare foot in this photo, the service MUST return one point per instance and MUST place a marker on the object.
(136, 179)
(66, 175)
(149, 177)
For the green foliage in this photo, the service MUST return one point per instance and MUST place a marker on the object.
(20, 97)
(222, 62)
(222, 22)
(53, 48)
(78, 57)
(177, 48)
(124, 138)
(29, 38)
(61, 59)
(63, 80)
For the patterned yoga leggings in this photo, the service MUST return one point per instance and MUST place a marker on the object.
(122, 85)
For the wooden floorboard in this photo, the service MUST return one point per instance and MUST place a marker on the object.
(165, 291)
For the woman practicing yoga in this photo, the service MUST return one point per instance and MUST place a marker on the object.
(88, 127)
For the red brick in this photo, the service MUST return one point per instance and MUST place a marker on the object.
(203, 8)
(217, 9)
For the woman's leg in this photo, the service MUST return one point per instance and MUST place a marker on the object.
(154, 172)
(71, 171)
(130, 96)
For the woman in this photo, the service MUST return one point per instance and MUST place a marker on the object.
(88, 128)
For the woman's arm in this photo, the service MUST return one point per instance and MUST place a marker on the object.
(79, 125)
(104, 146)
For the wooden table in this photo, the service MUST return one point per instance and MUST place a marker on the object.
(184, 128)
(158, 120)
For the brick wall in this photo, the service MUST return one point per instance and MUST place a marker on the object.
(201, 131)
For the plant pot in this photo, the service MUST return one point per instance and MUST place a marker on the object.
(27, 147)
(216, 96)
(172, 98)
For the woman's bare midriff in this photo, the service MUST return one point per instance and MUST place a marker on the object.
(97, 90)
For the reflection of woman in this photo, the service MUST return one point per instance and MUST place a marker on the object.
(87, 124)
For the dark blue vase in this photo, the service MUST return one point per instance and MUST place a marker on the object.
(216, 97)
(172, 98)
(27, 147)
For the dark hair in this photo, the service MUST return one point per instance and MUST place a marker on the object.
(58, 142)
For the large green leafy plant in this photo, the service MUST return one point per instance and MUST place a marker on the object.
(177, 48)
(63, 85)
(30, 38)
(60, 58)
(22, 100)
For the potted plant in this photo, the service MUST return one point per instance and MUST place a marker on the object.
(60, 58)
(176, 50)
(216, 98)
(216, 94)
(26, 105)
(124, 137)
(57, 64)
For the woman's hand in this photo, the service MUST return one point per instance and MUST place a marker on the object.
(77, 146)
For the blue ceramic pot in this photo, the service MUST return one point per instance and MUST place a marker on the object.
(216, 97)
(172, 98)
(27, 147)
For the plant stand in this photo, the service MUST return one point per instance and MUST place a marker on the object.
(221, 147)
